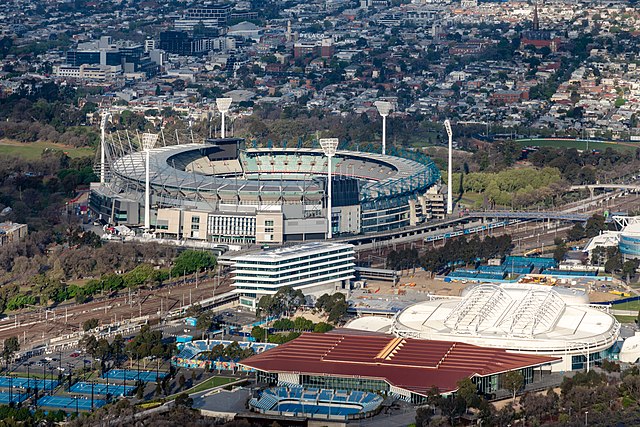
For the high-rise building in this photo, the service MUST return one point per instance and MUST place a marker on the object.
(149, 45)
(214, 16)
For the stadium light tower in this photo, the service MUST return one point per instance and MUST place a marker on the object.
(106, 117)
(384, 108)
(447, 126)
(223, 105)
(329, 146)
(148, 142)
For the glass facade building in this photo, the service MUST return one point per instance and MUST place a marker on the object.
(315, 267)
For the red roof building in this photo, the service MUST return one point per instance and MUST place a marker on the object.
(405, 367)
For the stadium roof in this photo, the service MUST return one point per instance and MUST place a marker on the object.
(523, 317)
(167, 169)
(411, 364)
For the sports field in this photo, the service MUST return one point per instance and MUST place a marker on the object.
(579, 144)
(33, 150)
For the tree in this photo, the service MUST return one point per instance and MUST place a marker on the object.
(513, 381)
(183, 399)
(258, 333)
(469, 392)
(629, 268)
(576, 233)
(181, 381)
(560, 251)
(90, 344)
(191, 261)
(595, 225)
(322, 327)
(287, 300)
(204, 321)
(11, 346)
(90, 324)
(140, 392)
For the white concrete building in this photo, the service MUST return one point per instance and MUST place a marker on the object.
(315, 268)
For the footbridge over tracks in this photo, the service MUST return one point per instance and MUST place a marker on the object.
(633, 188)
(538, 215)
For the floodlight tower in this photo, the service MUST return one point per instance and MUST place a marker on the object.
(384, 108)
(329, 146)
(148, 142)
(223, 105)
(106, 117)
(447, 126)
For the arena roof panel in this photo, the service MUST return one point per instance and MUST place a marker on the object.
(411, 364)
(521, 317)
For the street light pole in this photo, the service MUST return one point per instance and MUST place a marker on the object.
(329, 146)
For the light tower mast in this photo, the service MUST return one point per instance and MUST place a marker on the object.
(447, 126)
(384, 108)
(329, 146)
(106, 117)
(148, 142)
(223, 105)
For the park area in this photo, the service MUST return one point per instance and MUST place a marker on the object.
(34, 150)
(578, 144)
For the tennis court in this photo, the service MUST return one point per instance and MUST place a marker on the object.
(6, 398)
(20, 382)
(102, 389)
(70, 403)
(134, 375)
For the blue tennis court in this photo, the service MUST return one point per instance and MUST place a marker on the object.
(133, 375)
(6, 398)
(102, 389)
(20, 382)
(298, 408)
(70, 403)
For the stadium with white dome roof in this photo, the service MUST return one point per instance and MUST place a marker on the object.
(522, 318)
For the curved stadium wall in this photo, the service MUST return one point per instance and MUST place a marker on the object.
(220, 189)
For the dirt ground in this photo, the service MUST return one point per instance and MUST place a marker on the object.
(423, 283)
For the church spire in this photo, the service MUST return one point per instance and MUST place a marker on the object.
(536, 20)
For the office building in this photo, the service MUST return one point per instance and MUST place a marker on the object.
(315, 268)
(216, 16)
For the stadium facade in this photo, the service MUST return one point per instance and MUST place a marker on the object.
(520, 318)
(222, 191)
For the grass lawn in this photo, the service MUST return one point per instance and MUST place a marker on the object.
(631, 305)
(33, 150)
(207, 384)
(625, 319)
(469, 199)
(580, 145)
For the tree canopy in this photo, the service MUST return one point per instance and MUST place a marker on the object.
(191, 261)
